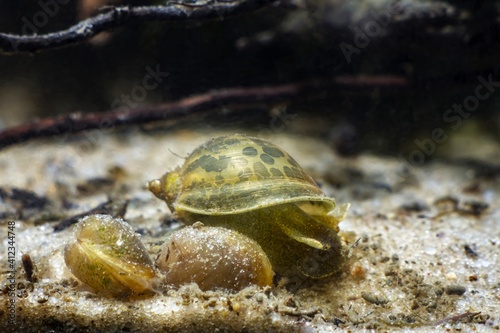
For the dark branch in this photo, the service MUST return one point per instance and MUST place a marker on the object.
(120, 16)
(189, 106)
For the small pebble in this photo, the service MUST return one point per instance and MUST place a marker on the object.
(451, 276)
(358, 272)
(469, 251)
(374, 299)
(454, 289)
(42, 299)
(430, 250)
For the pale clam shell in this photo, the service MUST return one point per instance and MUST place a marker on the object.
(214, 258)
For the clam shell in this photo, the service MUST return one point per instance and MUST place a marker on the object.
(214, 258)
(108, 256)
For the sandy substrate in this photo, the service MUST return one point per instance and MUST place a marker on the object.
(424, 241)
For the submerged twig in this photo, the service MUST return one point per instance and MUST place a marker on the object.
(299, 313)
(456, 318)
(119, 16)
(182, 108)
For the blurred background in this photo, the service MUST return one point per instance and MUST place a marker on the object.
(426, 60)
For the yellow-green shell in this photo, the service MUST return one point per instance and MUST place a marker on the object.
(107, 255)
(236, 174)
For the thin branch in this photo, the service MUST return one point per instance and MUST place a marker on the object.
(455, 318)
(119, 16)
(185, 107)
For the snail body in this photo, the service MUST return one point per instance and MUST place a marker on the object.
(214, 258)
(254, 187)
(109, 256)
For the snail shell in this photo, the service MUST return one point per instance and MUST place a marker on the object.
(255, 187)
(108, 256)
(214, 258)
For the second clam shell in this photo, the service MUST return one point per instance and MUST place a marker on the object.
(214, 258)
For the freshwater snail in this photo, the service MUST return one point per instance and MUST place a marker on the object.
(214, 257)
(254, 187)
(108, 256)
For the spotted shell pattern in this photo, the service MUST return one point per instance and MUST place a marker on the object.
(235, 174)
(254, 187)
